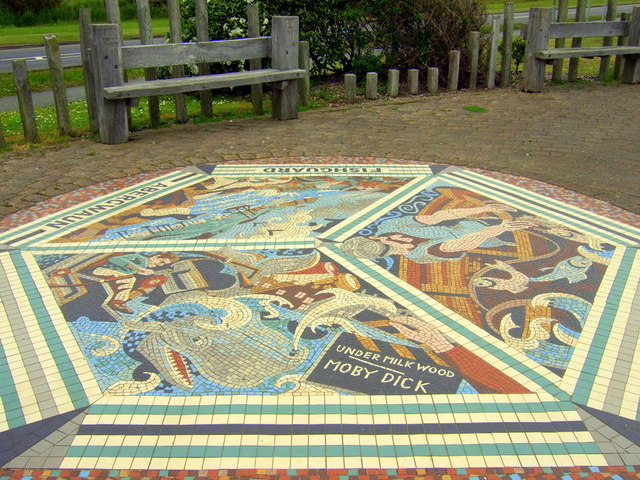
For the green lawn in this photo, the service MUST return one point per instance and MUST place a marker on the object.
(68, 32)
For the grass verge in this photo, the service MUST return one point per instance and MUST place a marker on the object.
(225, 107)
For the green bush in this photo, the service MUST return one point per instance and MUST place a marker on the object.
(334, 28)
(365, 62)
(518, 47)
(341, 33)
(20, 7)
(420, 33)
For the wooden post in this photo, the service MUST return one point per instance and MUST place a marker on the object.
(25, 101)
(453, 71)
(146, 38)
(537, 40)
(631, 71)
(253, 30)
(622, 40)
(433, 76)
(394, 82)
(558, 64)
(304, 84)
(3, 143)
(607, 41)
(507, 45)
(113, 113)
(413, 79)
(581, 14)
(372, 85)
(284, 56)
(474, 54)
(350, 87)
(113, 16)
(60, 99)
(202, 35)
(493, 52)
(177, 71)
(87, 67)
(113, 11)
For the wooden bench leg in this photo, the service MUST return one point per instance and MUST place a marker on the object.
(114, 127)
(533, 69)
(631, 71)
(284, 55)
(284, 100)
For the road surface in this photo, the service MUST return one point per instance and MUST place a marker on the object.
(37, 60)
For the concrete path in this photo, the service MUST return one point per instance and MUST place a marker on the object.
(584, 138)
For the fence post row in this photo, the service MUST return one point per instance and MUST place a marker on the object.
(453, 72)
(607, 41)
(474, 54)
(304, 84)
(563, 15)
(146, 38)
(113, 16)
(372, 85)
(56, 70)
(3, 142)
(177, 71)
(433, 75)
(507, 44)
(86, 39)
(581, 16)
(622, 41)
(25, 101)
(202, 35)
(493, 52)
(413, 79)
(393, 82)
(350, 87)
(253, 30)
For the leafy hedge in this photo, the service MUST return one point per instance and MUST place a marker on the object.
(343, 33)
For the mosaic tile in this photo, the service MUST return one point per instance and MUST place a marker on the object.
(319, 318)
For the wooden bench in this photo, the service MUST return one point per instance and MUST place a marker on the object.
(541, 30)
(110, 60)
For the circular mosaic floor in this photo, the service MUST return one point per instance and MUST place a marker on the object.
(319, 313)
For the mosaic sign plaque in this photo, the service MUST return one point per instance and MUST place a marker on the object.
(399, 313)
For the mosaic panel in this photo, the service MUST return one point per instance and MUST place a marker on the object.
(319, 316)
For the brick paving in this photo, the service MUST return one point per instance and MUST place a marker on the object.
(584, 138)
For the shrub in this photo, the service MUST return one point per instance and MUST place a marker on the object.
(518, 46)
(20, 7)
(364, 63)
(334, 28)
(420, 33)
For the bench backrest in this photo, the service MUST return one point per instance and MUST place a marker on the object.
(588, 29)
(145, 56)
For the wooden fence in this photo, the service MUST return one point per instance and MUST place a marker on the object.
(498, 31)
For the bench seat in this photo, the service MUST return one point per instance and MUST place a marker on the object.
(205, 82)
(586, 52)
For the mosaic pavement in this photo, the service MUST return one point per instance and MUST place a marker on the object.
(294, 317)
